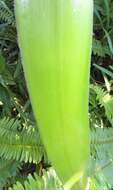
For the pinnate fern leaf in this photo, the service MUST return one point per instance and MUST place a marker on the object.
(6, 15)
(19, 145)
(102, 156)
(48, 182)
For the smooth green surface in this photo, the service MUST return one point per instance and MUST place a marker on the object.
(55, 42)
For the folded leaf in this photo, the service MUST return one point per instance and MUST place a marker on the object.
(55, 43)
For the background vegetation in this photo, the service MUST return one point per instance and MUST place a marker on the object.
(22, 154)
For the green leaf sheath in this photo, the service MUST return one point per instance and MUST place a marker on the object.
(55, 43)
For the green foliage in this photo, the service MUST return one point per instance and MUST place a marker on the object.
(19, 144)
(19, 138)
(6, 14)
(102, 157)
(99, 49)
(7, 22)
(103, 31)
(48, 181)
(8, 169)
(101, 97)
(101, 119)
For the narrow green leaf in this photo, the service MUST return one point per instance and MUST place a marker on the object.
(106, 71)
(55, 41)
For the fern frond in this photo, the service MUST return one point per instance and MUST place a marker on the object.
(102, 156)
(6, 14)
(7, 33)
(99, 49)
(105, 100)
(21, 146)
(47, 182)
(100, 93)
